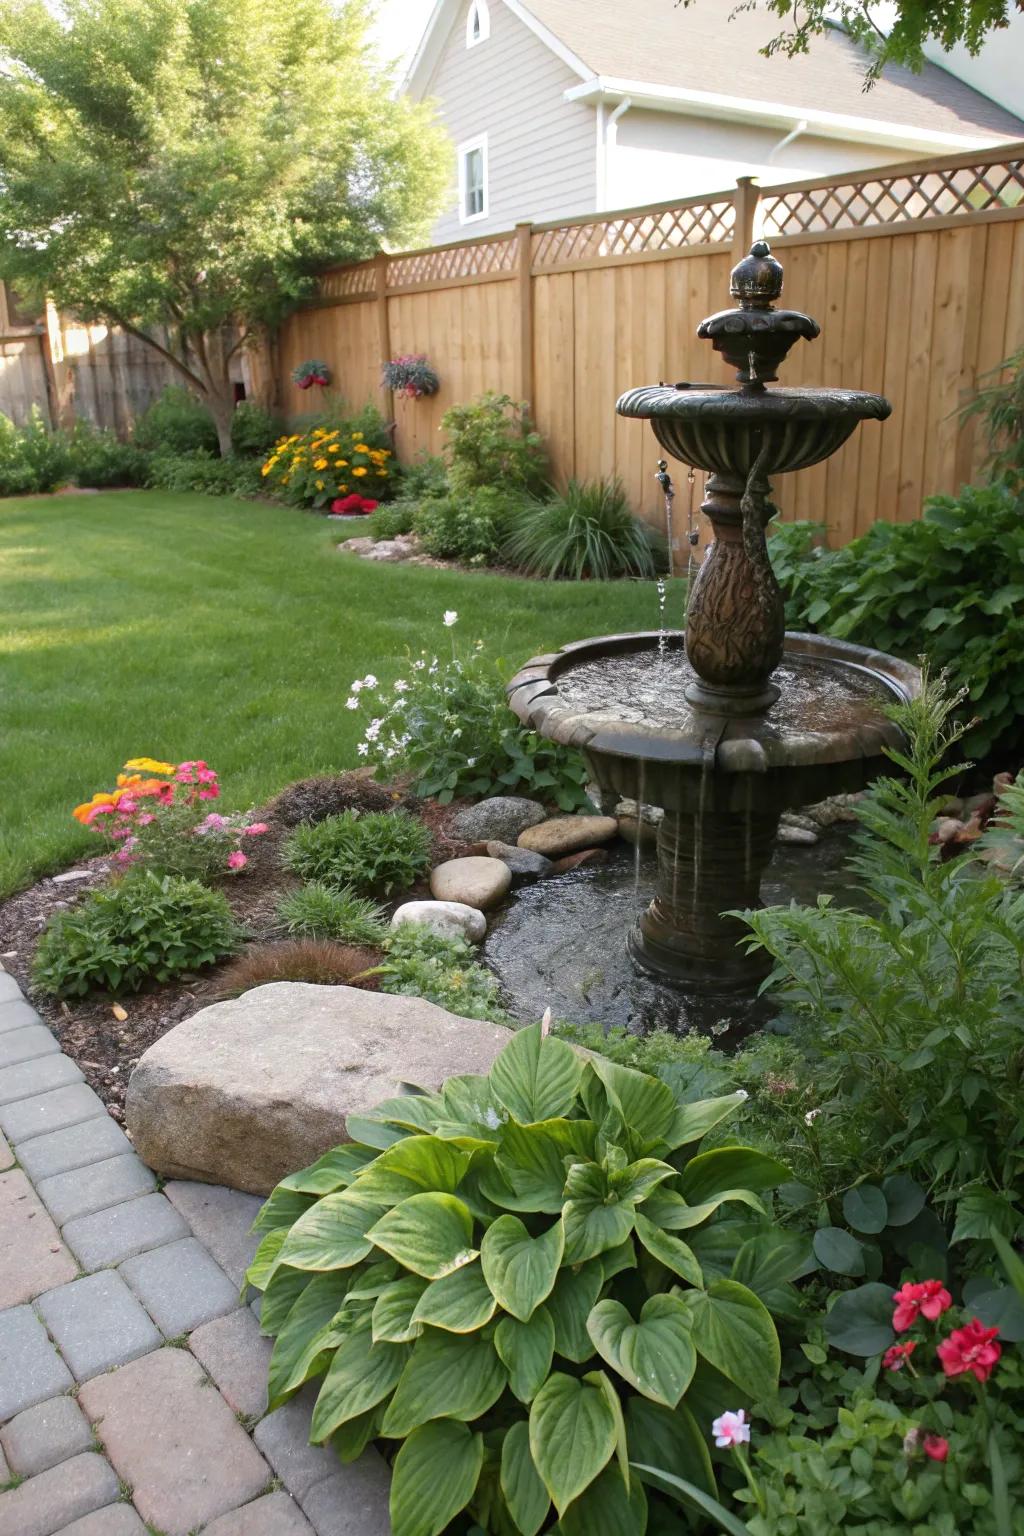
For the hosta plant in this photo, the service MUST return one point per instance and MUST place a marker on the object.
(500, 1283)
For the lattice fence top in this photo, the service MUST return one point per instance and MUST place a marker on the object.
(349, 282)
(484, 258)
(893, 199)
(635, 234)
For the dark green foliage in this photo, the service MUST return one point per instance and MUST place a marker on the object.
(324, 912)
(33, 459)
(950, 586)
(427, 475)
(1000, 405)
(176, 423)
(420, 963)
(202, 473)
(470, 526)
(99, 458)
(492, 442)
(141, 929)
(375, 853)
(254, 431)
(588, 531)
(391, 519)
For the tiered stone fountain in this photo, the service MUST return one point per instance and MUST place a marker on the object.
(731, 722)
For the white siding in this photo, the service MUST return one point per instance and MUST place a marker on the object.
(542, 150)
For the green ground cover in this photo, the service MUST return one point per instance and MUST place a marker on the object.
(183, 626)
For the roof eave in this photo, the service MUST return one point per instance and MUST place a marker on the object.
(604, 89)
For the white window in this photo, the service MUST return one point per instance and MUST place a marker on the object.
(473, 180)
(478, 23)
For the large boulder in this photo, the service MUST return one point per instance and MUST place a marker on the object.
(479, 882)
(568, 834)
(247, 1091)
(499, 819)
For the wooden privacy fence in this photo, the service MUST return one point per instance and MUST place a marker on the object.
(915, 272)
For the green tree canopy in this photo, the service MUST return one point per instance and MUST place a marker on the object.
(191, 164)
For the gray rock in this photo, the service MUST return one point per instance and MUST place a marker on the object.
(451, 919)
(568, 834)
(634, 831)
(357, 546)
(249, 1090)
(796, 835)
(478, 881)
(523, 864)
(388, 549)
(500, 818)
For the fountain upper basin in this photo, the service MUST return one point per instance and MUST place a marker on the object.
(624, 705)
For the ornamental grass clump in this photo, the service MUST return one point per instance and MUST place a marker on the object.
(318, 962)
(520, 1282)
(586, 532)
(320, 911)
(374, 854)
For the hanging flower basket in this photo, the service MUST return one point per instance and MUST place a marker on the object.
(410, 375)
(313, 372)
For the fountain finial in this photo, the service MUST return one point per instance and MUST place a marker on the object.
(757, 279)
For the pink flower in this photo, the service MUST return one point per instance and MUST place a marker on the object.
(731, 1429)
(936, 1447)
(927, 1299)
(145, 820)
(257, 829)
(97, 810)
(126, 806)
(237, 860)
(210, 792)
(213, 821)
(970, 1349)
(897, 1357)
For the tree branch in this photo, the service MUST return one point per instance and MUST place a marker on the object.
(175, 362)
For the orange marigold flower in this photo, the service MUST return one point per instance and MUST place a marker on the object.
(359, 470)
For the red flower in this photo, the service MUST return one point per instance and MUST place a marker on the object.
(927, 1299)
(936, 1447)
(896, 1358)
(353, 504)
(970, 1349)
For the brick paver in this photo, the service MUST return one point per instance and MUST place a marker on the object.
(49, 1502)
(353, 1501)
(30, 1368)
(91, 1141)
(222, 1220)
(113, 1520)
(237, 1356)
(283, 1437)
(32, 1256)
(81, 1191)
(6, 1155)
(180, 1286)
(49, 1112)
(26, 1044)
(277, 1514)
(96, 1323)
(111, 1236)
(15, 1013)
(42, 1436)
(43, 1075)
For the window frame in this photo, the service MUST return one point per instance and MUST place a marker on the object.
(478, 11)
(464, 150)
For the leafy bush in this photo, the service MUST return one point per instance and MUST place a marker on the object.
(322, 912)
(391, 519)
(493, 1278)
(320, 962)
(427, 475)
(99, 458)
(200, 473)
(254, 430)
(448, 725)
(421, 963)
(33, 460)
(176, 423)
(471, 526)
(1000, 404)
(376, 853)
(315, 468)
(909, 1014)
(492, 442)
(587, 531)
(143, 928)
(950, 585)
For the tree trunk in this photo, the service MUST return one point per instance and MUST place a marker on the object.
(220, 402)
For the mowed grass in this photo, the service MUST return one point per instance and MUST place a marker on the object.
(178, 626)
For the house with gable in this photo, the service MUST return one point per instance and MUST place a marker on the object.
(562, 108)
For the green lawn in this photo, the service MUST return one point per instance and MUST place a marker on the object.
(177, 626)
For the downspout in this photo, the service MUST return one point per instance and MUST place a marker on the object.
(800, 128)
(610, 132)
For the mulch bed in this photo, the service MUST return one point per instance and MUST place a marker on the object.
(107, 1047)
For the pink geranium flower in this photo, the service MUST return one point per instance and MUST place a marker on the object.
(898, 1356)
(936, 1447)
(928, 1298)
(257, 829)
(237, 860)
(971, 1349)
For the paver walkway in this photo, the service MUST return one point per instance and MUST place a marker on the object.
(132, 1378)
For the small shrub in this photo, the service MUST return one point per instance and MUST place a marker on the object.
(319, 962)
(201, 474)
(322, 912)
(314, 799)
(99, 458)
(33, 460)
(176, 423)
(420, 963)
(376, 852)
(254, 431)
(588, 531)
(471, 527)
(143, 928)
(492, 442)
(427, 475)
(388, 521)
(448, 725)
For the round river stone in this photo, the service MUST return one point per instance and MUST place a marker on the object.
(479, 882)
(450, 919)
(501, 819)
(523, 864)
(568, 834)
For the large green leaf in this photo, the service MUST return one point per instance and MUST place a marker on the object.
(266, 1260)
(434, 1475)
(431, 1234)
(668, 1250)
(839, 1251)
(460, 1302)
(335, 1170)
(332, 1233)
(296, 1354)
(282, 1209)
(447, 1376)
(866, 1208)
(689, 1494)
(572, 1436)
(361, 1375)
(415, 1164)
(607, 1509)
(520, 1269)
(468, 1100)
(771, 1258)
(350, 1439)
(734, 1331)
(535, 1077)
(640, 1179)
(531, 1160)
(527, 1498)
(593, 1216)
(526, 1350)
(670, 1437)
(728, 1168)
(669, 1210)
(372, 1280)
(570, 1304)
(647, 1105)
(392, 1320)
(691, 1122)
(860, 1322)
(656, 1354)
(283, 1291)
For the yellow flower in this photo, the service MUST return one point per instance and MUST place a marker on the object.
(342, 488)
(355, 437)
(341, 463)
(150, 765)
(361, 448)
(320, 463)
(319, 485)
(285, 479)
(333, 448)
(266, 469)
(359, 470)
(382, 474)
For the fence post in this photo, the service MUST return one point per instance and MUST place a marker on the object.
(745, 198)
(524, 239)
(380, 263)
